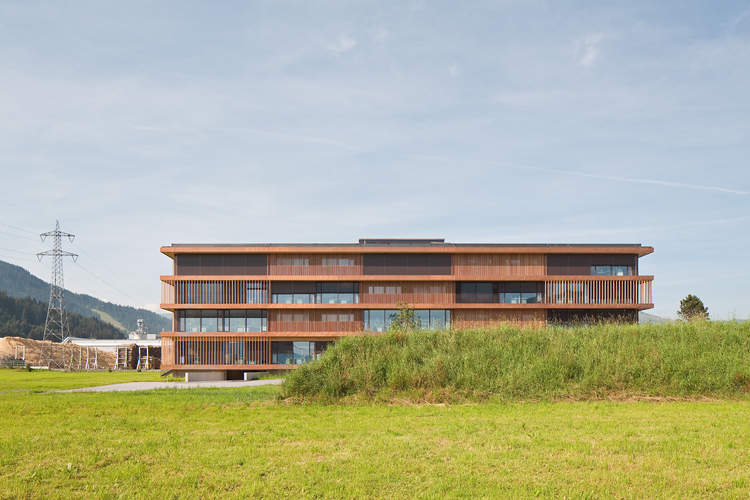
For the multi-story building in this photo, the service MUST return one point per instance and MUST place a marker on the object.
(240, 308)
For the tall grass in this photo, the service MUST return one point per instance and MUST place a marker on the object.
(677, 359)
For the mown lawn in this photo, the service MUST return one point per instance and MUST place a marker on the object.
(51, 380)
(241, 443)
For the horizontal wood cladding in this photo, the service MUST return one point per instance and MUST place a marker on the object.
(471, 318)
(413, 292)
(506, 264)
(410, 264)
(208, 264)
(312, 320)
(315, 264)
(215, 292)
(598, 292)
(211, 350)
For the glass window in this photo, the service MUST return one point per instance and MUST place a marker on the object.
(329, 298)
(209, 321)
(192, 321)
(484, 293)
(301, 298)
(423, 318)
(528, 293)
(439, 320)
(375, 320)
(256, 321)
(346, 298)
(604, 270)
(467, 293)
(622, 270)
(512, 293)
(236, 321)
(318, 348)
(282, 298)
(301, 352)
(282, 353)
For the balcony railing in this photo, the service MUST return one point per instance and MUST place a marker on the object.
(607, 291)
(214, 292)
(635, 290)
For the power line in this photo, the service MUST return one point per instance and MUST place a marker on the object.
(15, 251)
(25, 210)
(16, 258)
(111, 286)
(17, 228)
(22, 237)
(112, 272)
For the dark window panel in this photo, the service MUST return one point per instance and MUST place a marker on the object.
(396, 264)
(484, 293)
(256, 264)
(440, 264)
(282, 287)
(418, 264)
(234, 265)
(557, 265)
(373, 264)
(187, 264)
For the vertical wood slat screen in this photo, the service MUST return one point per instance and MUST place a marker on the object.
(216, 351)
(468, 318)
(315, 265)
(167, 292)
(598, 292)
(167, 351)
(301, 320)
(215, 292)
(503, 264)
(413, 292)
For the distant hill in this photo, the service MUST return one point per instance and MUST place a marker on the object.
(644, 318)
(25, 318)
(18, 282)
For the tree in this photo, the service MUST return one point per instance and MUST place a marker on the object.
(405, 319)
(692, 308)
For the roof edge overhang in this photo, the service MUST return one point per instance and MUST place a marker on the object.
(458, 248)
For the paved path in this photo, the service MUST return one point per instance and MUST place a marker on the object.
(147, 386)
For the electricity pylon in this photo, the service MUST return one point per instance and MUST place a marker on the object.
(56, 325)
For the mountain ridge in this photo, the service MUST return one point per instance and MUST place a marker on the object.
(18, 282)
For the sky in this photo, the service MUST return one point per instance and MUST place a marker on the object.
(140, 124)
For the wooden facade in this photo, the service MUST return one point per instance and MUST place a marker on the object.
(260, 307)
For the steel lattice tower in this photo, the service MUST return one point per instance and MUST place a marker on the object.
(56, 325)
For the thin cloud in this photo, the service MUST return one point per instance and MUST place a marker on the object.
(588, 51)
(638, 181)
(329, 142)
(343, 44)
(302, 138)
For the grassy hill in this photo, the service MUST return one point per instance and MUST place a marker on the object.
(703, 359)
(18, 282)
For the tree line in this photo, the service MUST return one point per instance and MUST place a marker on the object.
(25, 317)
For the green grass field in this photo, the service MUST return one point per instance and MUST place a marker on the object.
(244, 443)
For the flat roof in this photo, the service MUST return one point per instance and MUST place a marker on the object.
(376, 245)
